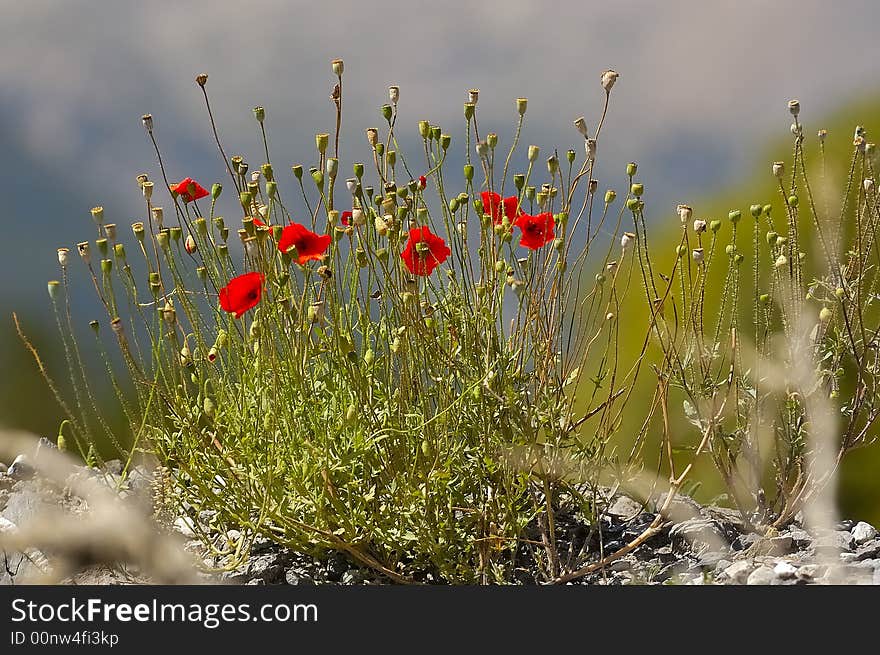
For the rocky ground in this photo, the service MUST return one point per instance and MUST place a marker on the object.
(703, 545)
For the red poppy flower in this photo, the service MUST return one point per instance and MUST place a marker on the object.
(258, 222)
(536, 230)
(242, 293)
(345, 218)
(308, 244)
(424, 251)
(498, 209)
(423, 181)
(188, 189)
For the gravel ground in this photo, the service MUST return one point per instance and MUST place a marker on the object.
(704, 545)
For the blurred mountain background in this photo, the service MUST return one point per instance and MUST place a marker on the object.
(700, 104)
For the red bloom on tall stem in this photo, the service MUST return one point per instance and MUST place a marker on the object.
(308, 244)
(258, 222)
(423, 181)
(345, 217)
(242, 293)
(424, 251)
(536, 230)
(498, 209)
(188, 190)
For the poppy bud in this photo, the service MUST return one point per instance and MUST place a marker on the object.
(98, 215)
(590, 148)
(715, 226)
(147, 120)
(190, 244)
(610, 196)
(699, 226)
(332, 167)
(387, 112)
(53, 287)
(394, 94)
(609, 77)
(63, 254)
(468, 172)
(626, 239)
(581, 126)
(321, 142)
(794, 107)
(84, 251)
(534, 151)
(469, 111)
(697, 254)
(778, 168)
(521, 105)
(318, 178)
(637, 189)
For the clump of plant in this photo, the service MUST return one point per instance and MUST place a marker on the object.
(779, 380)
(421, 368)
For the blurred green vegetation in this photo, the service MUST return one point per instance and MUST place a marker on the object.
(859, 489)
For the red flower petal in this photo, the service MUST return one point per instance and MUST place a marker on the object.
(258, 222)
(423, 262)
(308, 244)
(511, 208)
(492, 205)
(242, 293)
(188, 190)
(345, 218)
(537, 231)
(423, 181)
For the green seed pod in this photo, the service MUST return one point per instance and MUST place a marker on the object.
(632, 204)
(245, 199)
(119, 251)
(272, 189)
(429, 322)
(681, 251)
(738, 259)
(764, 298)
(391, 158)
(469, 108)
(380, 150)
(637, 189)
(386, 112)
(521, 105)
(824, 314)
(715, 225)
(468, 172)
(445, 141)
(631, 168)
(500, 266)
(297, 171)
(162, 240)
(350, 413)
(209, 406)
(533, 153)
(793, 201)
(54, 288)
(176, 233)
(772, 237)
(106, 266)
(559, 244)
(561, 265)
(361, 257)
(571, 155)
(369, 357)
(435, 132)
(426, 448)
(610, 196)
(424, 129)
(321, 142)
(768, 209)
(734, 216)
(755, 210)
(318, 178)
(453, 204)
(268, 172)
(839, 292)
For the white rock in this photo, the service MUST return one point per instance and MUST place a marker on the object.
(763, 575)
(184, 526)
(785, 569)
(863, 532)
(739, 571)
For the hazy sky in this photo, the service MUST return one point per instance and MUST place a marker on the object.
(702, 83)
